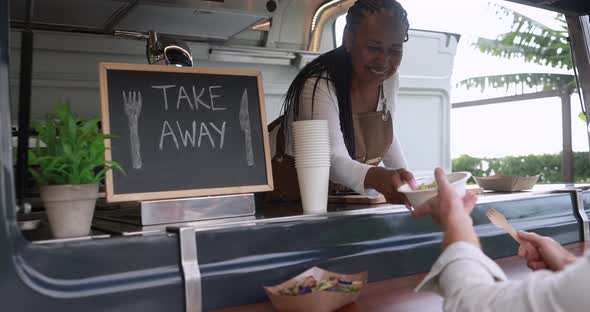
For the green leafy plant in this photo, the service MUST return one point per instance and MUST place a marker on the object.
(533, 42)
(73, 151)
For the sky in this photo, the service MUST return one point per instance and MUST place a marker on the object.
(515, 128)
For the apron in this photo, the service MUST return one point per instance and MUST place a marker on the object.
(373, 135)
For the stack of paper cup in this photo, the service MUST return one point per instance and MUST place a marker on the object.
(312, 160)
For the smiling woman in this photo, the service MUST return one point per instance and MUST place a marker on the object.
(354, 87)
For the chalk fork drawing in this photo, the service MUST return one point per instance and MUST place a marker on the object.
(132, 102)
(245, 125)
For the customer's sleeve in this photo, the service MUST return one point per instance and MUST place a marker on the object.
(470, 281)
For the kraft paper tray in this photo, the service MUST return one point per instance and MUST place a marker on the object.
(506, 183)
(319, 301)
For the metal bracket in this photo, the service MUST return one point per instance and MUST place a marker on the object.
(579, 212)
(197, 208)
(193, 295)
(585, 234)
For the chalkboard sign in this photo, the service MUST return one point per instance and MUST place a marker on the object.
(183, 132)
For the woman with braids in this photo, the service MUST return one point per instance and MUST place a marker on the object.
(353, 87)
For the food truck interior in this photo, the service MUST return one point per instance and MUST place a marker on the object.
(202, 253)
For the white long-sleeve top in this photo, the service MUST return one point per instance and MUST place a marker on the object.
(345, 170)
(470, 281)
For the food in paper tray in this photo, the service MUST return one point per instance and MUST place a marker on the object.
(310, 284)
(316, 290)
(425, 186)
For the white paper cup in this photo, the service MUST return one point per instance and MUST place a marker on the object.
(318, 136)
(311, 135)
(310, 123)
(321, 124)
(313, 185)
(312, 157)
(312, 146)
(324, 147)
(301, 158)
(310, 130)
(311, 143)
(304, 123)
(311, 152)
(312, 164)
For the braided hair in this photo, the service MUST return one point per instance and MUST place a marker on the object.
(336, 66)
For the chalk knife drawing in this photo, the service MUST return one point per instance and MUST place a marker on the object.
(245, 125)
(132, 103)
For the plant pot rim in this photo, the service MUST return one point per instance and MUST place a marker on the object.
(44, 185)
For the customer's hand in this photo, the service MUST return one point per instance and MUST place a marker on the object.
(387, 181)
(443, 206)
(546, 253)
(451, 211)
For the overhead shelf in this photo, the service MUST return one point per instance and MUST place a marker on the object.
(198, 19)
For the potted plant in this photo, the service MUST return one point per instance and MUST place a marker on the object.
(68, 169)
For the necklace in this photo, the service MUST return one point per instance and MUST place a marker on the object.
(384, 115)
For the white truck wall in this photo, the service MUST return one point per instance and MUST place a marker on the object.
(422, 118)
(65, 66)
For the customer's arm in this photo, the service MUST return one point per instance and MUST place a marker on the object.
(470, 281)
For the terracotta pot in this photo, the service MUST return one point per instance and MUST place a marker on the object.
(69, 208)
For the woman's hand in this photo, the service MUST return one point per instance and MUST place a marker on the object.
(545, 253)
(387, 181)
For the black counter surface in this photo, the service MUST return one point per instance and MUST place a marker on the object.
(237, 259)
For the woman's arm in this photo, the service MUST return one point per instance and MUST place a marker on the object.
(343, 170)
(362, 178)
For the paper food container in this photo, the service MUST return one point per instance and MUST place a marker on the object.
(506, 183)
(317, 301)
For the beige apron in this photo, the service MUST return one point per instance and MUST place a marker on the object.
(373, 135)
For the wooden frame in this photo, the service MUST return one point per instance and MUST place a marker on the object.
(104, 105)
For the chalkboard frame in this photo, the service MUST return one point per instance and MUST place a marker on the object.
(111, 196)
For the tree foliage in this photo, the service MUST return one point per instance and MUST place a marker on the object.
(533, 42)
(548, 165)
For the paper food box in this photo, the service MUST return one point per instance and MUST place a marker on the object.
(506, 183)
(316, 290)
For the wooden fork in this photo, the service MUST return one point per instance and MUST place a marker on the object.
(500, 221)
